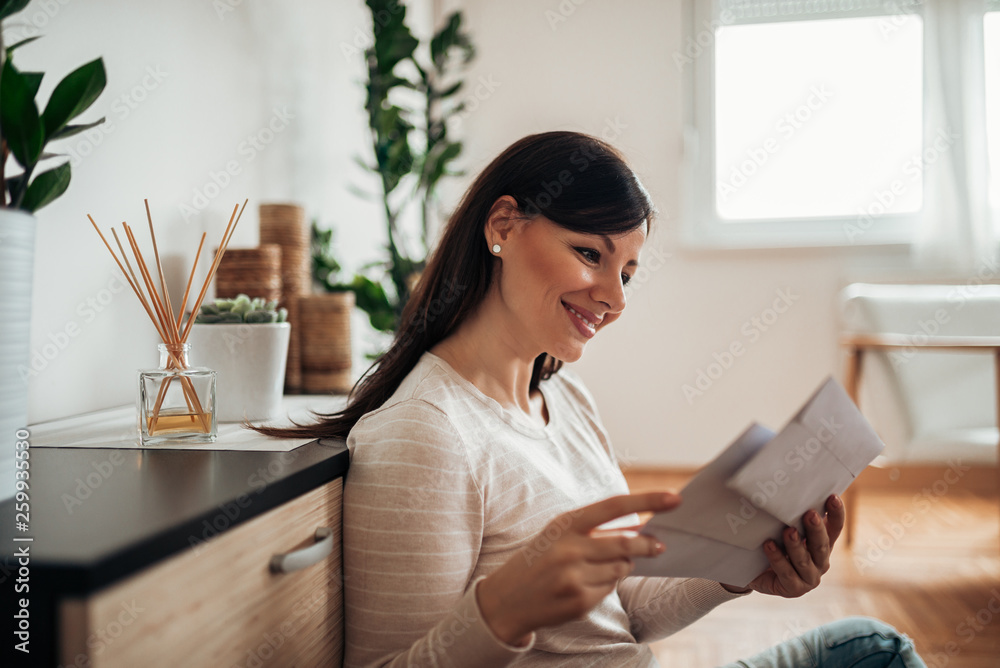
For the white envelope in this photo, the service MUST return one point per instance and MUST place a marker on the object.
(757, 486)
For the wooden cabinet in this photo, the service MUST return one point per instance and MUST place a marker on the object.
(161, 557)
(219, 603)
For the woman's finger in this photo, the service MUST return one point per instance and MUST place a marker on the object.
(836, 515)
(780, 564)
(800, 558)
(606, 573)
(590, 517)
(611, 547)
(632, 530)
(817, 541)
(789, 580)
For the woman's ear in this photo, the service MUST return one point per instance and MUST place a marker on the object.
(503, 217)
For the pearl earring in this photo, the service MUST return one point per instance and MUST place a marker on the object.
(496, 248)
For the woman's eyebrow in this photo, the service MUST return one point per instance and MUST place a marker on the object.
(611, 249)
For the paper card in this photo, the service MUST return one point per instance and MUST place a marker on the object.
(711, 510)
(819, 453)
(692, 556)
(757, 486)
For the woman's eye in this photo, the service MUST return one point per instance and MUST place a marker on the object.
(595, 256)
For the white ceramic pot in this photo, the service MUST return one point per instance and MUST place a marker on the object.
(17, 254)
(250, 361)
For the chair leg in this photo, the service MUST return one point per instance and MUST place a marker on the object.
(996, 360)
(851, 501)
(852, 380)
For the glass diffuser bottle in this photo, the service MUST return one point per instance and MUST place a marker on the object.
(177, 400)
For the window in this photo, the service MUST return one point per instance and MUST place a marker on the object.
(808, 121)
(991, 47)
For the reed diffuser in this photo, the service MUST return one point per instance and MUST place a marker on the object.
(176, 402)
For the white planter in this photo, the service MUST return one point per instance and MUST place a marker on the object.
(17, 254)
(250, 361)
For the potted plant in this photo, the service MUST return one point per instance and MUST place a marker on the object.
(412, 149)
(25, 133)
(246, 342)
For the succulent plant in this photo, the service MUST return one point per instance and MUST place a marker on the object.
(240, 310)
(25, 132)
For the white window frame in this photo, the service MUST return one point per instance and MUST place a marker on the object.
(701, 225)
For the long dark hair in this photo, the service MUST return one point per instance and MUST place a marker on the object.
(577, 181)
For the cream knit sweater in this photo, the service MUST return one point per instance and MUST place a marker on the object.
(444, 486)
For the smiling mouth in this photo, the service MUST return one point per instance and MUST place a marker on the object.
(586, 327)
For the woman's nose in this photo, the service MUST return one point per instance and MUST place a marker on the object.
(611, 292)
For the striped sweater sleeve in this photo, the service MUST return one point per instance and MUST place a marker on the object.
(413, 526)
(659, 607)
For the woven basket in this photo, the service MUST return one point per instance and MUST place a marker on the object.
(286, 226)
(255, 272)
(325, 338)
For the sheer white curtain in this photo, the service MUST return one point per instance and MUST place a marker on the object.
(956, 232)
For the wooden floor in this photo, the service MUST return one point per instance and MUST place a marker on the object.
(937, 580)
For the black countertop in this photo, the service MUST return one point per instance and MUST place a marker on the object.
(98, 515)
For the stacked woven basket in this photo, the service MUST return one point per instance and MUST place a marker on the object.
(286, 226)
(319, 351)
(326, 342)
(250, 271)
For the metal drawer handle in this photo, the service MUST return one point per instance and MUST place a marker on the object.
(307, 556)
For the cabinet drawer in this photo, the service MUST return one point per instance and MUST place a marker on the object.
(219, 604)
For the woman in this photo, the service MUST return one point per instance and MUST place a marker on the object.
(481, 474)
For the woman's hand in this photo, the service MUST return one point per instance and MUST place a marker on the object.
(798, 568)
(568, 568)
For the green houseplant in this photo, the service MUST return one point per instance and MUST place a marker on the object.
(411, 148)
(25, 133)
(369, 295)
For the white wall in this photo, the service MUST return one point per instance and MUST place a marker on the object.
(606, 67)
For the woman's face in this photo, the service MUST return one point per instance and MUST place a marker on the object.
(562, 287)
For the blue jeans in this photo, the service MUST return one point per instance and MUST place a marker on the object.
(854, 642)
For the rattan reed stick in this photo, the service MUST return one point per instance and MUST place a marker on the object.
(124, 256)
(159, 267)
(132, 285)
(187, 290)
(150, 287)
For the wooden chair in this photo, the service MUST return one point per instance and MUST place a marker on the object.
(873, 312)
